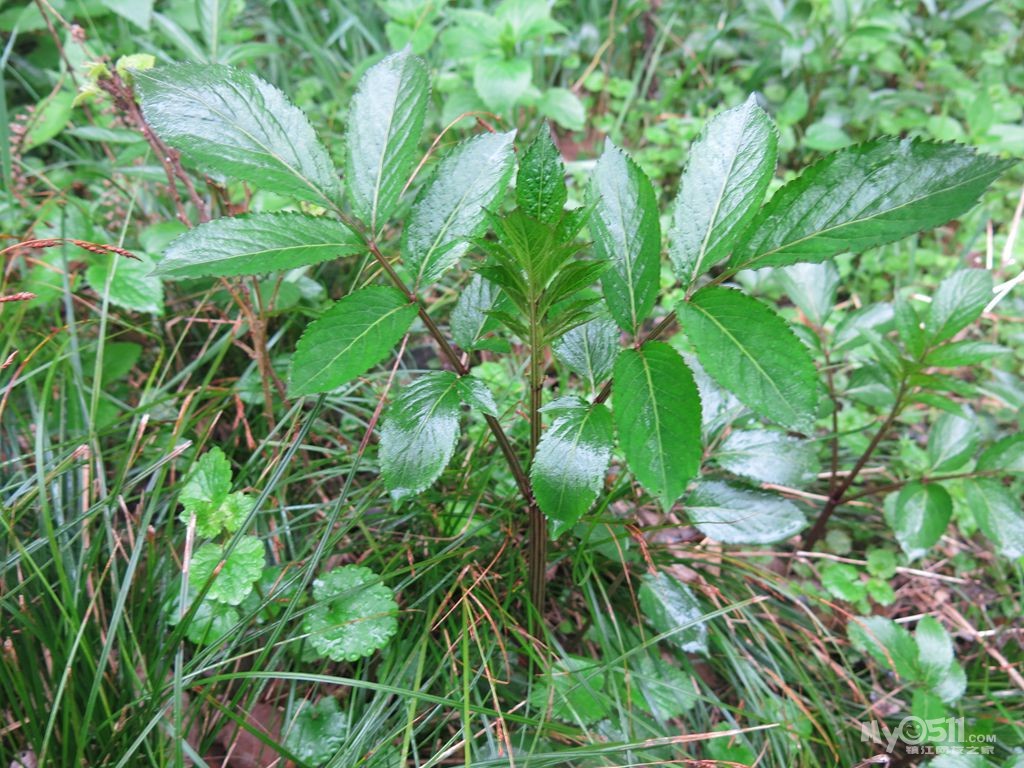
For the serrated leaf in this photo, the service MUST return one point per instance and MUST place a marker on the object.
(919, 515)
(751, 351)
(451, 207)
(958, 302)
(540, 185)
(589, 350)
(967, 352)
(863, 196)
(887, 642)
(470, 319)
(952, 441)
(317, 731)
(353, 614)
(256, 244)
(671, 607)
(238, 570)
(384, 128)
(235, 123)
(349, 338)
(419, 432)
(730, 166)
(1006, 455)
(655, 686)
(476, 394)
(132, 285)
(205, 491)
(768, 457)
(572, 457)
(211, 622)
(997, 510)
(734, 515)
(657, 416)
(626, 232)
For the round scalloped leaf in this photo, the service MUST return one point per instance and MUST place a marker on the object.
(317, 732)
(353, 614)
(241, 569)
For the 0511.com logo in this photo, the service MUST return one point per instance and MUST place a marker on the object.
(928, 737)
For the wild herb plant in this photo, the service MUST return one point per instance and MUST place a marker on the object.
(583, 283)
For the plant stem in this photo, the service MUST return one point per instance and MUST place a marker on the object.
(838, 494)
(538, 534)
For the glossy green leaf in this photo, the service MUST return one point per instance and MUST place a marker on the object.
(919, 515)
(237, 124)
(751, 351)
(812, 287)
(211, 622)
(236, 572)
(866, 195)
(419, 432)
(730, 166)
(887, 642)
(476, 395)
(952, 441)
(1006, 455)
(540, 185)
(589, 350)
(317, 731)
(470, 319)
(768, 457)
(256, 244)
(734, 515)
(657, 416)
(384, 127)
(936, 661)
(349, 338)
(671, 607)
(654, 685)
(997, 509)
(131, 286)
(958, 302)
(571, 461)
(626, 232)
(451, 207)
(353, 614)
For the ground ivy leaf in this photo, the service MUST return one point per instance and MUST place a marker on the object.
(317, 731)
(572, 457)
(734, 515)
(573, 691)
(752, 352)
(626, 232)
(450, 208)
(419, 432)
(589, 350)
(998, 512)
(918, 515)
(958, 302)
(349, 338)
(768, 457)
(240, 570)
(353, 614)
(540, 185)
(657, 416)
(384, 128)
(470, 319)
(256, 244)
(211, 622)
(730, 166)
(670, 606)
(235, 123)
(205, 490)
(863, 196)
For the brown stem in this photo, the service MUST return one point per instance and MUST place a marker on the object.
(838, 494)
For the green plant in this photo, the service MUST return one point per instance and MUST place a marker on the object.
(233, 123)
